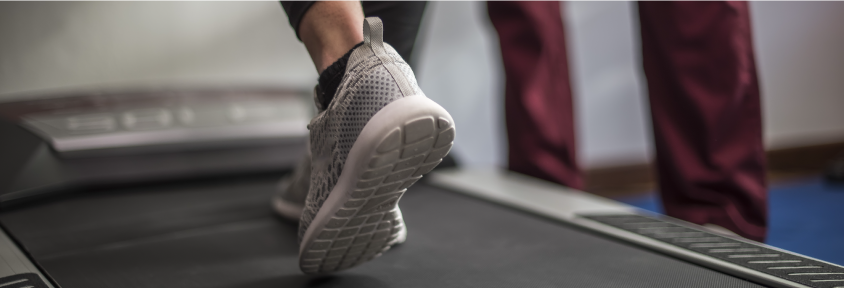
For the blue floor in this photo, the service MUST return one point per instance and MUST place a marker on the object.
(806, 217)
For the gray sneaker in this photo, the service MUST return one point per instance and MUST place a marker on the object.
(291, 191)
(376, 138)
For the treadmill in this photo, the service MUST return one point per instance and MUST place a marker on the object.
(181, 199)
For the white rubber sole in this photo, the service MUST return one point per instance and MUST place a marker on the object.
(360, 218)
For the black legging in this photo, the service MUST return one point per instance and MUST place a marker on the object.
(401, 20)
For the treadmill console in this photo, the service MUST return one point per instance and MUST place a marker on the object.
(56, 144)
(87, 125)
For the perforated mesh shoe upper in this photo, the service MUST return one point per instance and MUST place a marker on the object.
(366, 88)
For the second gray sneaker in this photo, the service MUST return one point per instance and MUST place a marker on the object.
(291, 191)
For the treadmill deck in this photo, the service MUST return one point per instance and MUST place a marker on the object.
(223, 233)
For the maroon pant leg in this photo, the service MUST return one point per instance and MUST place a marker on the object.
(538, 106)
(704, 95)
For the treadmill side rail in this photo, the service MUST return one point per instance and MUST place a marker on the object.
(592, 222)
(525, 193)
(16, 267)
(577, 207)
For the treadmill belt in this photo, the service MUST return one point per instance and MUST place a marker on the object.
(224, 234)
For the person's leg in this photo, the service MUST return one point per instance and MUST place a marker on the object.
(331, 29)
(704, 96)
(402, 20)
(328, 29)
(538, 105)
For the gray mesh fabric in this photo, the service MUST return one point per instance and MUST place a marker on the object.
(367, 86)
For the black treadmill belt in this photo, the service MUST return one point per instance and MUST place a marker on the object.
(224, 234)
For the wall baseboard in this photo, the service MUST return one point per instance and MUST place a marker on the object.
(783, 165)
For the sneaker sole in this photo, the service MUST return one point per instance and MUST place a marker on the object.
(360, 218)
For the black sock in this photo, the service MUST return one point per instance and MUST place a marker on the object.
(329, 80)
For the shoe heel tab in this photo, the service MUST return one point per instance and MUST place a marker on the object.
(373, 32)
(373, 37)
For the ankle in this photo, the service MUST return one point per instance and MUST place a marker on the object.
(330, 77)
(329, 29)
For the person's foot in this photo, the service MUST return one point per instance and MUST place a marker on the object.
(376, 137)
(291, 191)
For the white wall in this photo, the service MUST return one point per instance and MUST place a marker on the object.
(78, 45)
(460, 67)
(58, 46)
(800, 54)
(613, 122)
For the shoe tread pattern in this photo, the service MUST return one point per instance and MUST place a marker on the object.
(369, 222)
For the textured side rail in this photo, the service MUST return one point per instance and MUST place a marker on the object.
(778, 263)
(16, 270)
